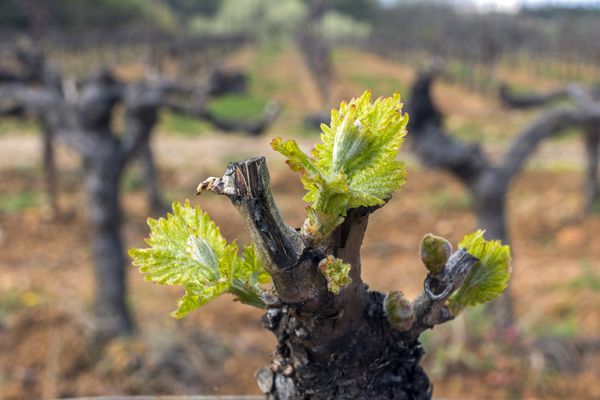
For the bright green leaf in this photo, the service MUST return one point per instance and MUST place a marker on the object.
(187, 249)
(488, 278)
(355, 165)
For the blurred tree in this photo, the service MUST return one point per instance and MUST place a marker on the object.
(337, 27)
(184, 10)
(364, 10)
(70, 15)
(111, 14)
(262, 19)
(273, 21)
(14, 15)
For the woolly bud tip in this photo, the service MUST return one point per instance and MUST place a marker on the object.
(435, 251)
(398, 310)
(336, 272)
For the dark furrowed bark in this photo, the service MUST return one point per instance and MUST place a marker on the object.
(584, 99)
(551, 123)
(354, 353)
(342, 347)
(142, 104)
(371, 362)
(329, 346)
(435, 147)
(103, 170)
(151, 181)
(50, 173)
(315, 49)
(489, 203)
(592, 181)
(529, 100)
(104, 211)
(35, 70)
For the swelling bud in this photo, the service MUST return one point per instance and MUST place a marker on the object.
(435, 251)
(398, 310)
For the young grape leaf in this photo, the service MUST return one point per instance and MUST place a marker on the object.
(490, 276)
(187, 249)
(355, 165)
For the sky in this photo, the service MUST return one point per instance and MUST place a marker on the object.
(513, 5)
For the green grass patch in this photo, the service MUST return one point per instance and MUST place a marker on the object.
(239, 107)
(182, 125)
(444, 200)
(457, 69)
(9, 303)
(16, 202)
(520, 88)
(596, 208)
(565, 328)
(569, 134)
(478, 320)
(469, 130)
(268, 53)
(234, 157)
(343, 55)
(133, 180)
(13, 300)
(17, 125)
(303, 130)
(589, 279)
(260, 79)
(564, 166)
(380, 85)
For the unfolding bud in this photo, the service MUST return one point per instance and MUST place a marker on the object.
(319, 226)
(336, 272)
(398, 310)
(435, 251)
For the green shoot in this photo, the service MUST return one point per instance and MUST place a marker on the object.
(356, 164)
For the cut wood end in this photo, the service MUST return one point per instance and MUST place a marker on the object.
(207, 185)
